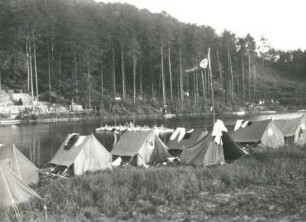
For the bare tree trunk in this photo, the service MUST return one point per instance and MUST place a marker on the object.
(219, 67)
(206, 83)
(140, 81)
(178, 89)
(264, 78)
(88, 82)
(35, 65)
(232, 75)
(197, 87)
(181, 78)
(102, 82)
(75, 76)
(203, 87)
(194, 88)
(254, 83)
(49, 70)
(152, 86)
(134, 76)
(237, 82)
(123, 74)
(170, 73)
(159, 88)
(152, 77)
(113, 71)
(249, 77)
(28, 63)
(52, 65)
(243, 81)
(31, 77)
(163, 74)
(59, 74)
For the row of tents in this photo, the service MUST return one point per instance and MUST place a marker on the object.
(271, 133)
(196, 147)
(142, 148)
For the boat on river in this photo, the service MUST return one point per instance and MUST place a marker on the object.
(169, 115)
(131, 127)
(10, 122)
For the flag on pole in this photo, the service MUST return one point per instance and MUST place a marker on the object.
(202, 65)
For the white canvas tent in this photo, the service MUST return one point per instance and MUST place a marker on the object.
(13, 190)
(215, 148)
(264, 133)
(19, 164)
(294, 130)
(141, 148)
(85, 153)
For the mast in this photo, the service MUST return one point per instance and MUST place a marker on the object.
(211, 87)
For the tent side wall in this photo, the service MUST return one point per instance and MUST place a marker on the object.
(205, 153)
(19, 164)
(272, 137)
(141, 157)
(152, 151)
(231, 150)
(193, 138)
(93, 157)
(29, 172)
(13, 190)
(160, 152)
(130, 143)
(67, 157)
(300, 133)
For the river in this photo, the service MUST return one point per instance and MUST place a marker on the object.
(39, 142)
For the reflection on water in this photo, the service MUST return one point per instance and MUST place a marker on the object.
(39, 142)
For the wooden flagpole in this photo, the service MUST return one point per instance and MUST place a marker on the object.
(211, 87)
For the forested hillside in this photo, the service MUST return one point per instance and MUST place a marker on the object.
(93, 52)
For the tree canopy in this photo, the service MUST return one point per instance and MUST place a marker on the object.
(77, 40)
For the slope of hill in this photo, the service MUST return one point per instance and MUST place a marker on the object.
(92, 52)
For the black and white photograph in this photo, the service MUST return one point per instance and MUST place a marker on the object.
(152, 111)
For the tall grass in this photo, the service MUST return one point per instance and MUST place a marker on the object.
(271, 183)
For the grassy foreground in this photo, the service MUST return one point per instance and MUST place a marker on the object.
(269, 186)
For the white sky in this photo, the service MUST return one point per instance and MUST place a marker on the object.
(282, 22)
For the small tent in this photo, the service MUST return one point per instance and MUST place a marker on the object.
(141, 148)
(264, 133)
(182, 138)
(19, 164)
(294, 130)
(13, 190)
(215, 148)
(85, 153)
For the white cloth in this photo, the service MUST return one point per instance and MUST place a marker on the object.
(180, 132)
(244, 124)
(175, 133)
(117, 162)
(219, 127)
(238, 124)
(190, 131)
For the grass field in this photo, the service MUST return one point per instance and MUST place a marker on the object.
(268, 186)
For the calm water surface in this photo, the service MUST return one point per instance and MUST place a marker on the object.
(39, 142)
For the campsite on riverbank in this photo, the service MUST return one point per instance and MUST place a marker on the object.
(264, 186)
(267, 185)
(115, 111)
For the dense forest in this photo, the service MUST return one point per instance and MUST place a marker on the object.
(92, 52)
